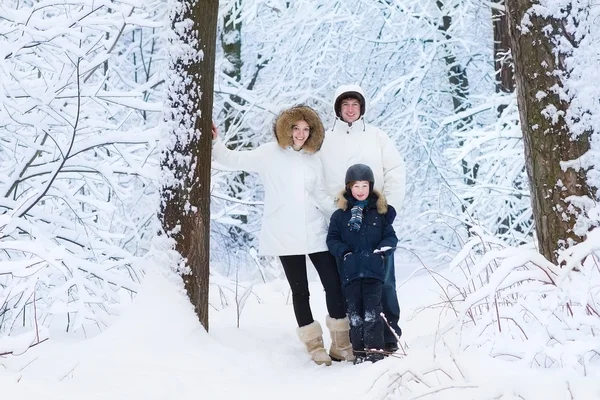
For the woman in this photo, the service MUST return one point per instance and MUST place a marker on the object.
(360, 234)
(294, 222)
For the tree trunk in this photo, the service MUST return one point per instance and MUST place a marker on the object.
(547, 138)
(187, 162)
(459, 87)
(505, 80)
(231, 41)
(505, 83)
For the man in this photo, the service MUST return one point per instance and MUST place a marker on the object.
(353, 141)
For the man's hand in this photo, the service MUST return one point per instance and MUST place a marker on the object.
(346, 255)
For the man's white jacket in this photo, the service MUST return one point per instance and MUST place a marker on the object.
(361, 143)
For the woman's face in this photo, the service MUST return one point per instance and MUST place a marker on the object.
(300, 132)
(360, 190)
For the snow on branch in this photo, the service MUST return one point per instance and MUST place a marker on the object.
(517, 305)
(78, 112)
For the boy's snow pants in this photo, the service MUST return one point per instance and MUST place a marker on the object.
(363, 305)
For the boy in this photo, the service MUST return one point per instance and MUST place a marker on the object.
(360, 235)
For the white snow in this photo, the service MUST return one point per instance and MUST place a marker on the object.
(158, 350)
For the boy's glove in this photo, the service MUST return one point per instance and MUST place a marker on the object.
(382, 251)
(379, 253)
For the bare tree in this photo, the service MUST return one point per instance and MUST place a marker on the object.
(539, 44)
(77, 164)
(186, 160)
(459, 89)
(505, 80)
(231, 41)
(505, 83)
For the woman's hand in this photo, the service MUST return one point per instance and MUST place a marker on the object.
(215, 132)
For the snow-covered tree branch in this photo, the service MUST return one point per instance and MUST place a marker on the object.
(76, 153)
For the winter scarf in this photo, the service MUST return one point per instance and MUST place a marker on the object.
(357, 215)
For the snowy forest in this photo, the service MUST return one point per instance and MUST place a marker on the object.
(110, 199)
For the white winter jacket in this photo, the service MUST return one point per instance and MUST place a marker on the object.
(347, 144)
(296, 204)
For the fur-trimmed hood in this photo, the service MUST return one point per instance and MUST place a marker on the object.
(287, 118)
(381, 202)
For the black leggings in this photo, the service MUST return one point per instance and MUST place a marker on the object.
(295, 272)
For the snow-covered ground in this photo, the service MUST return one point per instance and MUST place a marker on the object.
(157, 350)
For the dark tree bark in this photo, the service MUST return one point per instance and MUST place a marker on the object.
(505, 83)
(187, 163)
(231, 42)
(539, 65)
(505, 80)
(459, 88)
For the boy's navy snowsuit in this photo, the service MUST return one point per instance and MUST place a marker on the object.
(362, 271)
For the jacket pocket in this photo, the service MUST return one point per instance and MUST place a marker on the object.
(376, 266)
(350, 267)
(375, 230)
(375, 224)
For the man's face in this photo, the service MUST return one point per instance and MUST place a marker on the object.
(350, 110)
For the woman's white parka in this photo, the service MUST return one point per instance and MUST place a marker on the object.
(296, 203)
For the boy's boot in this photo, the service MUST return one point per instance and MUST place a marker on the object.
(359, 357)
(374, 356)
(341, 349)
(312, 336)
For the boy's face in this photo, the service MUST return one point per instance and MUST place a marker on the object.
(360, 190)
